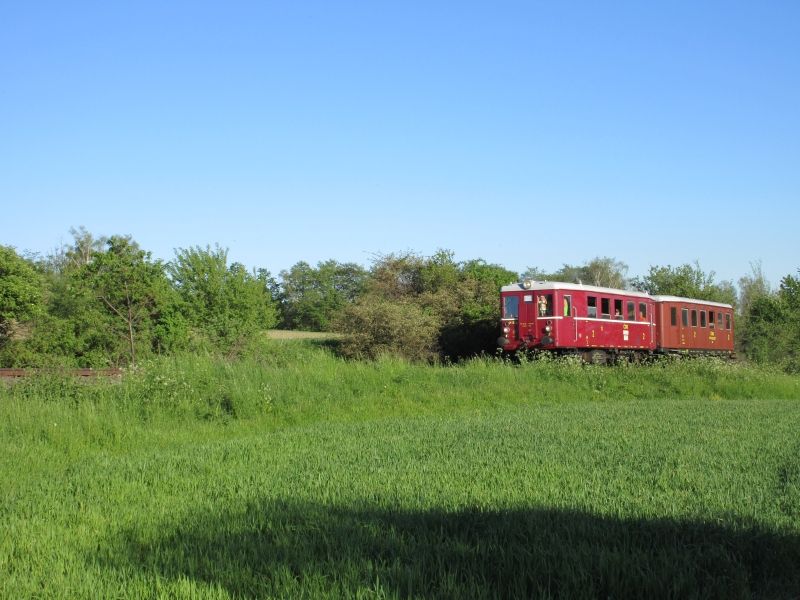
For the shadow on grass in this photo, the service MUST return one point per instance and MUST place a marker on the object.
(291, 549)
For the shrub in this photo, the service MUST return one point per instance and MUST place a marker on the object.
(374, 327)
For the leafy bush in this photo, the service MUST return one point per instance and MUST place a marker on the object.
(376, 327)
(225, 304)
(311, 298)
(771, 327)
(20, 291)
(456, 306)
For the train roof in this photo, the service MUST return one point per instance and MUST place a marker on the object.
(561, 285)
(692, 300)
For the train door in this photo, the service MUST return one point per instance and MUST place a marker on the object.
(527, 316)
(568, 329)
(511, 316)
(685, 332)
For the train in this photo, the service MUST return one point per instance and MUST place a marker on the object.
(602, 324)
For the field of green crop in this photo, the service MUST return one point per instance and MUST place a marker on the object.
(296, 474)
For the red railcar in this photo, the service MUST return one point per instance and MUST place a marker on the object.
(684, 324)
(598, 322)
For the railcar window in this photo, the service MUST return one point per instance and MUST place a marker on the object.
(727, 320)
(631, 310)
(643, 311)
(719, 320)
(510, 307)
(545, 303)
(673, 316)
(617, 309)
(702, 318)
(567, 306)
(591, 306)
(605, 303)
(685, 317)
(711, 318)
(694, 318)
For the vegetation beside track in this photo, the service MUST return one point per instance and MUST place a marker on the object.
(296, 473)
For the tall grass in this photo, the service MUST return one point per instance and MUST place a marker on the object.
(293, 473)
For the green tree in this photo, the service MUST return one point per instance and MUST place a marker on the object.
(752, 287)
(73, 329)
(537, 274)
(130, 287)
(600, 271)
(495, 275)
(606, 272)
(396, 276)
(224, 304)
(480, 284)
(378, 326)
(773, 326)
(311, 298)
(686, 281)
(21, 297)
(455, 303)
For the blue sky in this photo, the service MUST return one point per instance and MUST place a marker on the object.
(524, 133)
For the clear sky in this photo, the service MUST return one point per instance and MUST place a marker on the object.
(525, 133)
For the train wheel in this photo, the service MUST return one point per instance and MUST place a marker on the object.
(596, 357)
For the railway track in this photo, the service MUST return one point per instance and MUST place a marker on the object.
(18, 373)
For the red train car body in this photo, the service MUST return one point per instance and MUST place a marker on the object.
(693, 325)
(599, 322)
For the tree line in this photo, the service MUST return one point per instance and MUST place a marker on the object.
(102, 301)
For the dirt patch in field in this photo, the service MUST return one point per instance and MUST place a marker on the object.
(280, 334)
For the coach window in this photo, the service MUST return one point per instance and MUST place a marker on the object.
(694, 318)
(617, 309)
(605, 304)
(567, 306)
(702, 318)
(545, 305)
(711, 319)
(591, 307)
(727, 321)
(643, 311)
(685, 317)
(631, 310)
(673, 316)
(510, 307)
(719, 320)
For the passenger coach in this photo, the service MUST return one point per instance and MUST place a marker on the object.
(599, 323)
(683, 324)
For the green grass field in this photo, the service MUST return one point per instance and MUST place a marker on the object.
(296, 474)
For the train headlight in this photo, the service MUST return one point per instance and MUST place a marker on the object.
(547, 329)
(506, 329)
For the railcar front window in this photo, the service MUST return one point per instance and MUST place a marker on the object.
(643, 311)
(567, 306)
(510, 307)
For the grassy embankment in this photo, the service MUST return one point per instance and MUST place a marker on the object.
(298, 474)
